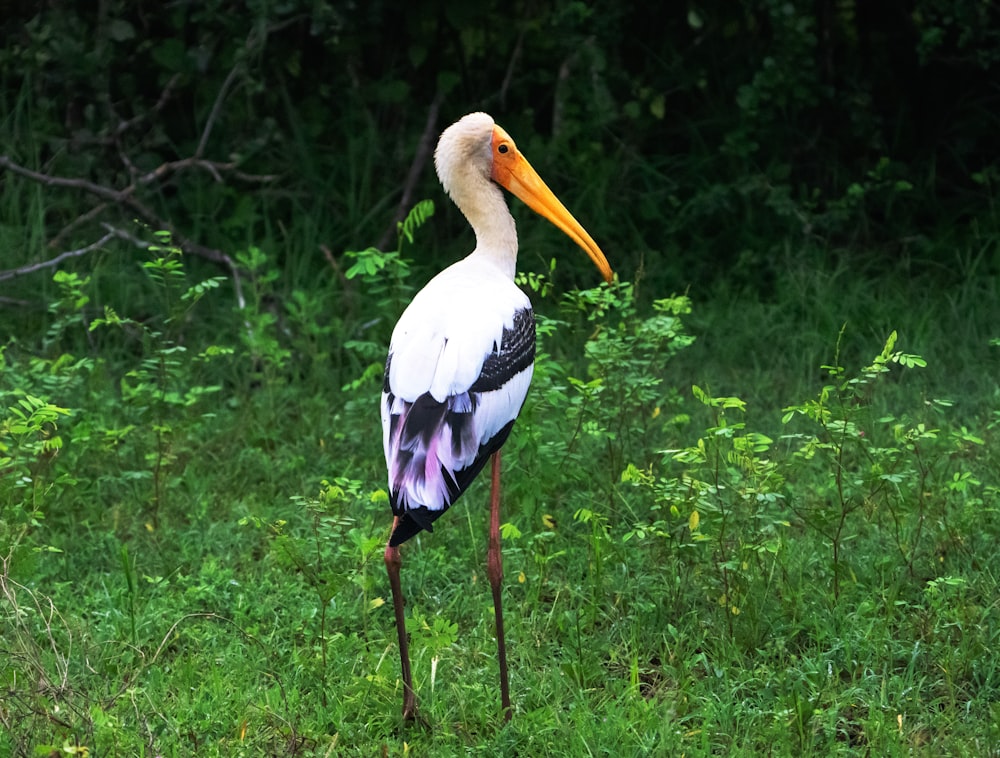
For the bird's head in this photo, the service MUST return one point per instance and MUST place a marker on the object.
(476, 149)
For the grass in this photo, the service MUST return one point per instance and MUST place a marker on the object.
(192, 512)
(243, 609)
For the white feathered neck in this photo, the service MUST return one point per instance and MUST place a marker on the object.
(464, 163)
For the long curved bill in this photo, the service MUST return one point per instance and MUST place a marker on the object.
(512, 171)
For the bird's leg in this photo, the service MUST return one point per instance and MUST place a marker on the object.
(494, 568)
(392, 563)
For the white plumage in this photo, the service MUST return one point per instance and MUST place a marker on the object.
(462, 354)
(438, 351)
(437, 427)
(446, 333)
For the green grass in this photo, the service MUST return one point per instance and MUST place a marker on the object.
(192, 505)
(179, 581)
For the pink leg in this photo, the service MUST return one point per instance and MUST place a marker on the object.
(393, 561)
(494, 569)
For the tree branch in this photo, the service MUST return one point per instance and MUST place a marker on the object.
(105, 193)
(425, 148)
(33, 267)
(216, 109)
(80, 220)
(511, 65)
(126, 196)
(168, 91)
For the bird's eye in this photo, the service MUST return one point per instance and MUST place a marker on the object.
(502, 149)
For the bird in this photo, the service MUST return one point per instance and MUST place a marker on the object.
(461, 358)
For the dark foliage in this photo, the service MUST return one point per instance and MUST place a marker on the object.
(722, 123)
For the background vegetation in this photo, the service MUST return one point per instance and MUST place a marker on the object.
(751, 504)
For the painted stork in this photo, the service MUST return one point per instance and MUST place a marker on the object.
(461, 358)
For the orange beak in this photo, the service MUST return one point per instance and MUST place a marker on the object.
(512, 171)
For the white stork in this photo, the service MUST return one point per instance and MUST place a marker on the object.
(461, 358)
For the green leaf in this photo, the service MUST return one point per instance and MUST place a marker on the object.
(120, 30)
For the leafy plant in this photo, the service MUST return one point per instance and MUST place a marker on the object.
(332, 557)
(157, 392)
(29, 440)
(384, 281)
(869, 471)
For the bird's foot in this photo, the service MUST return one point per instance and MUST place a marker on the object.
(409, 705)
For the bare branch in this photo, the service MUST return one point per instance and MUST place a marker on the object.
(105, 193)
(80, 220)
(17, 303)
(425, 148)
(124, 235)
(337, 268)
(165, 96)
(511, 65)
(559, 96)
(123, 156)
(113, 135)
(172, 167)
(215, 168)
(255, 40)
(126, 196)
(258, 178)
(52, 262)
(216, 256)
(216, 109)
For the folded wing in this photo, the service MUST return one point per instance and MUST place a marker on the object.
(449, 400)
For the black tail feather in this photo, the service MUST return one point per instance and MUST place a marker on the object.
(415, 520)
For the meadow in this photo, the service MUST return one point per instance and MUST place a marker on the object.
(751, 506)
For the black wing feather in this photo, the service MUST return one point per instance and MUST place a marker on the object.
(425, 415)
